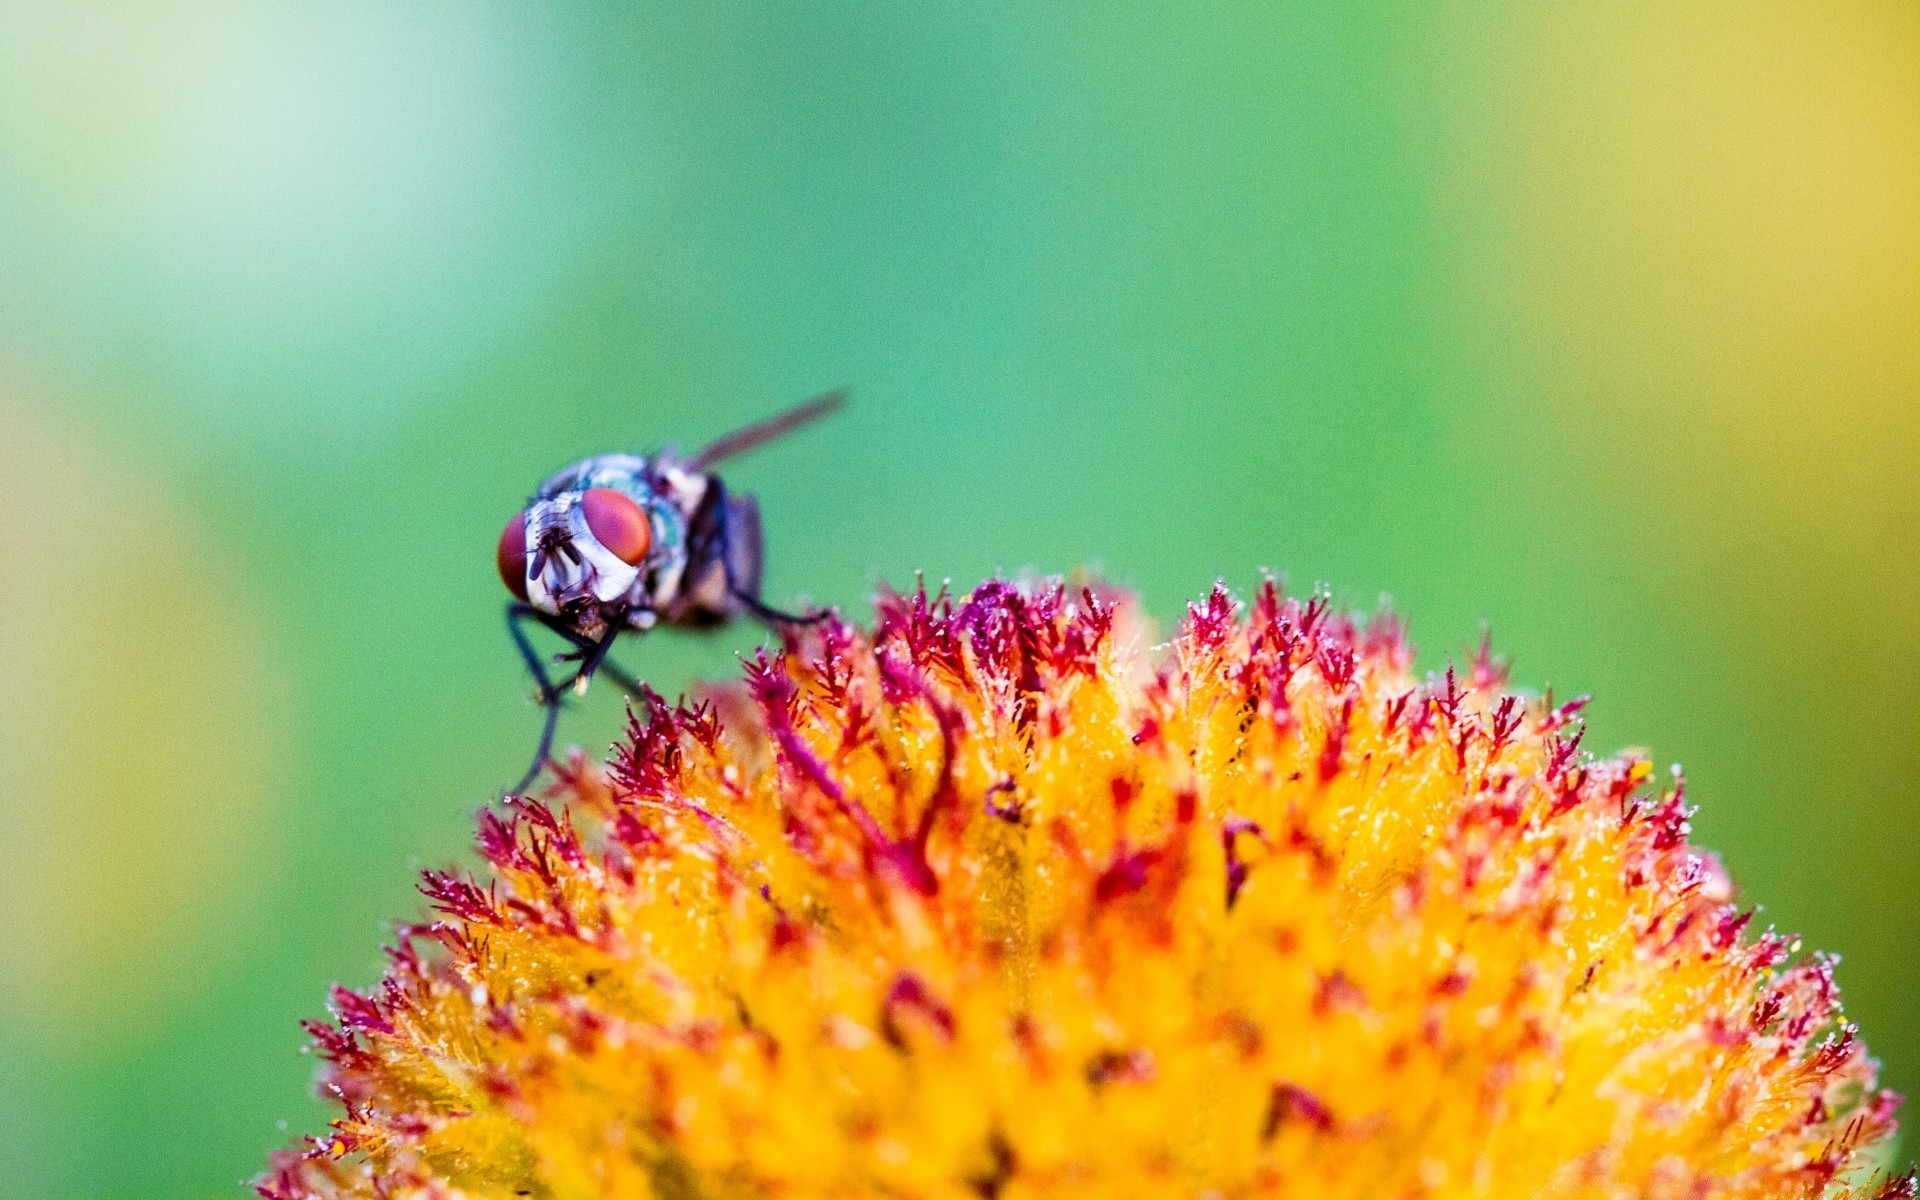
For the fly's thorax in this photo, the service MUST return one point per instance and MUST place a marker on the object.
(676, 495)
(629, 473)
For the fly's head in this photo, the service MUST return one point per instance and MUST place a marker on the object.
(594, 545)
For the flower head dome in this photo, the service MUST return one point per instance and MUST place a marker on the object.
(993, 902)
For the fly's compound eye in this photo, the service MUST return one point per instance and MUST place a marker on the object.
(511, 555)
(619, 524)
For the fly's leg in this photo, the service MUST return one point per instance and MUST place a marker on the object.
(593, 655)
(585, 647)
(549, 697)
(774, 616)
(625, 682)
(740, 556)
(594, 658)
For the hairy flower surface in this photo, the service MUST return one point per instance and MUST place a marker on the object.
(993, 902)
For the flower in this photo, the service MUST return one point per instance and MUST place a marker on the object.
(990, 902)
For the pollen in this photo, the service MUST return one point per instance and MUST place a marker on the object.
(996, 899)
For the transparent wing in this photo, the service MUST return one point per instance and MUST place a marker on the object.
(779, 425)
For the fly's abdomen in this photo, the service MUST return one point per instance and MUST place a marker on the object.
(729, 566)
(744, 557)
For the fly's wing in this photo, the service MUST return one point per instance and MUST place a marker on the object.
(744, 556)
(742, 440)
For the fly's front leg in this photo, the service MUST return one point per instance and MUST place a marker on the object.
(625, 682)
(593, 654)
(594, 660)
(549, 696)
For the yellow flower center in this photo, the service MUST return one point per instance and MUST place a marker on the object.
(993, 902)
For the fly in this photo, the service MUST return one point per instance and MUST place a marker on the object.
(620, 543)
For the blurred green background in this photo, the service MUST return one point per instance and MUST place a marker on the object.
(1597, 322)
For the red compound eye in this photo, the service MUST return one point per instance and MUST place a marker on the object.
(619, 524)
(511, 555)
